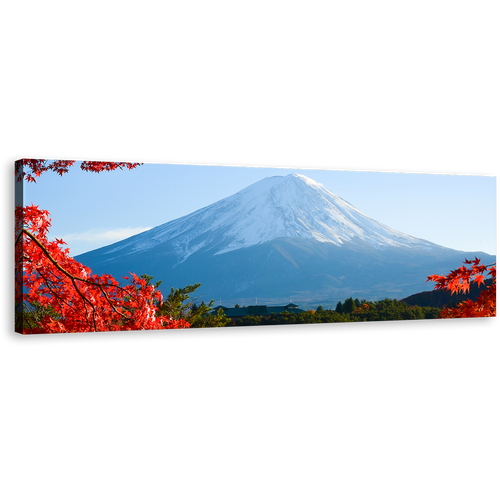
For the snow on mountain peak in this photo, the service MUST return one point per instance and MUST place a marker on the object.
(292, 206)
(305, 179)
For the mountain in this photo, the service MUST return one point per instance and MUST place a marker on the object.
(282, 238)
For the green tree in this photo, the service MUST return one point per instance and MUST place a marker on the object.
(249, 321)
(180, 305)
(307, 317)
(417, 313)
(32, 315)
(349, 305)
(431, 312)
(200, 316)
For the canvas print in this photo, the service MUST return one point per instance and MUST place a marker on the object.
(107, 246)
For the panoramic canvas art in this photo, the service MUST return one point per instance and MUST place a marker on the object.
(104, 246)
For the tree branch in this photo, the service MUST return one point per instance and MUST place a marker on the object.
(74, 278)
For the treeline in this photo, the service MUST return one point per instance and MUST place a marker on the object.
(352, 310)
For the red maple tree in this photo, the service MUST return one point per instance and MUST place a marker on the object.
(55, 293)
(458, 281)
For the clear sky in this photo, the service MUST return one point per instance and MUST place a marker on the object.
(93, 210)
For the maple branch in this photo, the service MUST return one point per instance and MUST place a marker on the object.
(19, 236)
(86, 300)
(73, 278)
(52, 290)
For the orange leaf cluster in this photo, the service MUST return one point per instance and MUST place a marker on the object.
(29, 169)
(362, 308)
(458, 281)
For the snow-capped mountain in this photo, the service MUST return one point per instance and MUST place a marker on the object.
(282, 236)
(292, 206)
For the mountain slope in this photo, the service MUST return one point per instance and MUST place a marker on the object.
(282, 236)
(276, 207)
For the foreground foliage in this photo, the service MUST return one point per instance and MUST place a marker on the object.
(458, 281)
(55, 293)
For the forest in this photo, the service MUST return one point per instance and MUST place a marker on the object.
(351, 310)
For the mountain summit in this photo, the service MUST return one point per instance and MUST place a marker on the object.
(282, 236)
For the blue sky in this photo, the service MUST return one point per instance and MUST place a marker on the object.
(93, 210)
